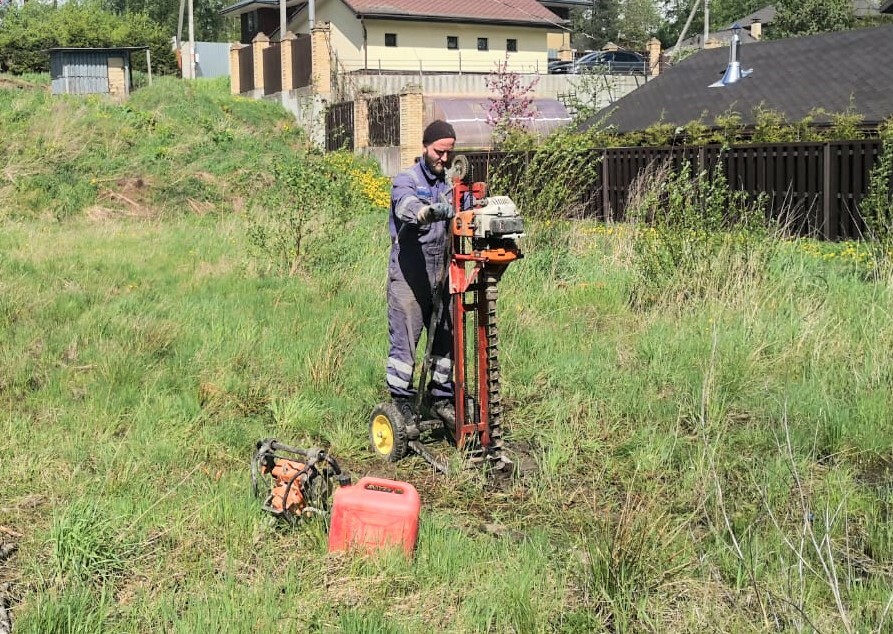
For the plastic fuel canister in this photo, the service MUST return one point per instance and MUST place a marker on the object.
(375, 513)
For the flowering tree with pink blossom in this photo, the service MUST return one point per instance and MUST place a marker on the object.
(511, 105)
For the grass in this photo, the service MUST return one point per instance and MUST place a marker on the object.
(718, 463)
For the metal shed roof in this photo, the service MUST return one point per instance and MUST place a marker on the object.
(88, 49)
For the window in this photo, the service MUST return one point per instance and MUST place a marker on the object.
(483, 45)
(390, 39)
(511, 46)
(452, 42)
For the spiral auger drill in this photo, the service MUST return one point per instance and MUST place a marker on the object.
(484, 241)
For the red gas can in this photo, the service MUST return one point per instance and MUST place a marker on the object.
(375, 512)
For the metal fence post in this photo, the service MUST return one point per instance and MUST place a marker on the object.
(829, 221)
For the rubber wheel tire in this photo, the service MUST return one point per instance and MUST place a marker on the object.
(387, 432)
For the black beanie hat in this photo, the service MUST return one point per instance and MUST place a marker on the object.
(436, 130)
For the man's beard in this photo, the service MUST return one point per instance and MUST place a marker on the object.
(433, 166)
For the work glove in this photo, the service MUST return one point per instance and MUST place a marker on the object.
(435, 212)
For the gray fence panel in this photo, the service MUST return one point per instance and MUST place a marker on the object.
(213, 59)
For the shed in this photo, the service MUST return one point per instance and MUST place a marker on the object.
(85, 71)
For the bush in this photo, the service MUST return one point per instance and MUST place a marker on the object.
(553, 181)
(318, 196)
(26, 33)
(877, 207)
(700, 237)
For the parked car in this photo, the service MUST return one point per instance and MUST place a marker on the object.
(611, 62)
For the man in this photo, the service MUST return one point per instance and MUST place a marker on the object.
(419, 224)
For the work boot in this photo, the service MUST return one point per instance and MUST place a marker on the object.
(405, 407)
(444, 409)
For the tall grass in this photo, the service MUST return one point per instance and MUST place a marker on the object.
(714, 461)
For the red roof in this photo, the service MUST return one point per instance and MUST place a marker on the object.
(517, 11)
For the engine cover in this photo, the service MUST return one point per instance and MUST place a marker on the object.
(498, 217)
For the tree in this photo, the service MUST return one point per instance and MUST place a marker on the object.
(804, 17)
(595, 25)
(637, 23)
(511, 106)
(27, 32)
(723, 13)
(209, 24)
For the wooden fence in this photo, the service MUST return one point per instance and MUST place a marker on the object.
(814, 188)
(272, 69)
(339, 126)
(246, 68)
(302, 61)
(384, 121)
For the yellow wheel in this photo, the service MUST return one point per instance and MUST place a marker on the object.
(387, 432)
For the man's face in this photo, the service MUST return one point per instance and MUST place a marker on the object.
(439, 154)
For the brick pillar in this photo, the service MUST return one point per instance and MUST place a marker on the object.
(285, 50)
(412, 112)
(654, 56)
(258, 44)
(235, 71)
(321, 60)
(360, 122)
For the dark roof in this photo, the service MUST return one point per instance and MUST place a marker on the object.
(766, 15)
(244, 6)
(793, 76)
(886, 7)
(724, 36)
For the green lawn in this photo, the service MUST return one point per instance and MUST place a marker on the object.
(678, 451)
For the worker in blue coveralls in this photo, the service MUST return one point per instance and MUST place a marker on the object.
(421, 207)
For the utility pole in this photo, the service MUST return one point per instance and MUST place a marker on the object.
(706, 23)
(691, 15)
(282, 19)
(180, 27)
(191, 56)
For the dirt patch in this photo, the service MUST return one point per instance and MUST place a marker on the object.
(13, 83)
(876, 472)
(129, 197)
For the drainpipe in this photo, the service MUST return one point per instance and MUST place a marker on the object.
(311, 13)
(365, 44)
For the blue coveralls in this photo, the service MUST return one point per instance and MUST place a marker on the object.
(416, 264)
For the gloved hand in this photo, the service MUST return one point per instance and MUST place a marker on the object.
(435, 212)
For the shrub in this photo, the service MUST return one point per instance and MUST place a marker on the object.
(877, 207)
(698, 231)
(317, 195)
(553, 181)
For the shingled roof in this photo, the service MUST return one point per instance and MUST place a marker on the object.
(832, 71)
(504, 11)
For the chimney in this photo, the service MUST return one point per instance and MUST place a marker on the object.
(733, 70)
(756, 29)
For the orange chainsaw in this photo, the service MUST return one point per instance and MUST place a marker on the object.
(297, 485)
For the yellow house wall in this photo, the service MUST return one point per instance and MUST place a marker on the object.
(425, 43)
(346, 34)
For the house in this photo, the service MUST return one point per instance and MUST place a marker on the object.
(794, 76)
(467, 36)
